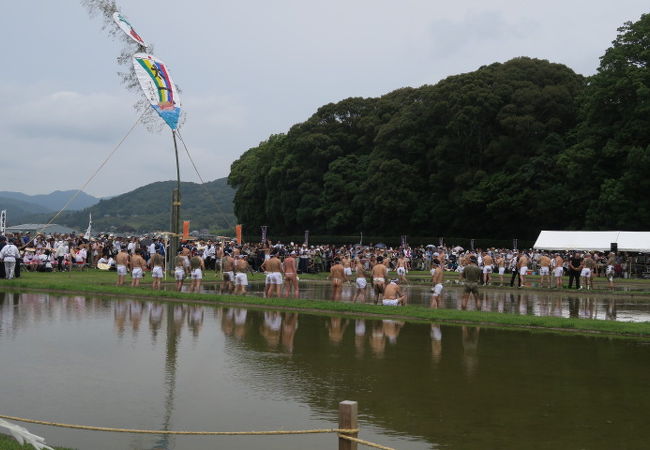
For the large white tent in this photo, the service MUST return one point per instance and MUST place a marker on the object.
(627, 241)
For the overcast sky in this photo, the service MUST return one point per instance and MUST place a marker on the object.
(248, 70)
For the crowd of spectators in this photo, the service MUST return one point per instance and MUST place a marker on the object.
(45, 253)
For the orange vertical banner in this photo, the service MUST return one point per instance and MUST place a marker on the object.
(238, 233)
(186, 229)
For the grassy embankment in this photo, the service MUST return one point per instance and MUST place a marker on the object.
(9, 443)
(102, 283)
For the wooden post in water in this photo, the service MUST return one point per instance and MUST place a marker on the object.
(348, 420)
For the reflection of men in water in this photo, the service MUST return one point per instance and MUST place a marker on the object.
(393, 295)
(289, 327)
(271, 327)
(436, 280)
(436, 342)
(155, 316)
(337, 276)
(471, 275)
(336, 329)
(121, 262)
(359, 335)
(377, 339)
(379, 275)
(195, 319)
(240, 322)
(392, 329)
(470, 348)
(360, 282)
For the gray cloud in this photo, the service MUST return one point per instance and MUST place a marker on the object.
(249, 69)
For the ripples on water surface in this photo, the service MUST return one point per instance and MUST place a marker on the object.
(161, 366)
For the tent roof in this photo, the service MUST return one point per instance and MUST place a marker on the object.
(47, 228)
(627, 241)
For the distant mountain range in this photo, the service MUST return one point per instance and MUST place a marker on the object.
(22, 208)
(18, 210)
(53, 201)
(147, 209)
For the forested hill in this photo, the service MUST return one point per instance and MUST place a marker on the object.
(503, 151)
(468, 156)
(146, 209)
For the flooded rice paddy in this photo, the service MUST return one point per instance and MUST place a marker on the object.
(142, 364)
(547, 302)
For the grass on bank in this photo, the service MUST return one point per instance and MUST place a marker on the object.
(9, 443)
(414, 278)
(101, 283)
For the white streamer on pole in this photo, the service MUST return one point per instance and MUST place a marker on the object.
(3, 221)
(23, 436)
(90, 224)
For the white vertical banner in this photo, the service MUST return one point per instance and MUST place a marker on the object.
(90, 224)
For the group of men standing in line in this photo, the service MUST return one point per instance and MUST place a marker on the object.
(581, 269)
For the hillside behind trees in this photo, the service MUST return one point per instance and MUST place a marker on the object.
(504, 151)
(147, 209)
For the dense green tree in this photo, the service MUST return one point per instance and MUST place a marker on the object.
(604, 168)
(503, 151)
(437, 159)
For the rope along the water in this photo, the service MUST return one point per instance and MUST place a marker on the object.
(361, 441)
(203, 182)
(89, 179)
(201, 433)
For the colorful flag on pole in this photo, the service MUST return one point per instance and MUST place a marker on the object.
(158, 87)
(125, 26)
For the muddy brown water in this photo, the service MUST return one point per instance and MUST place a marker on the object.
(142, 364)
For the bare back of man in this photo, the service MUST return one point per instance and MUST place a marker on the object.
(393, 295)
(121, 264)
(290, 276)
(379, 275)
(360, 282)
(401, 269)
(437, 275)
(228, 270)
(273, 269)
(337, 277)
